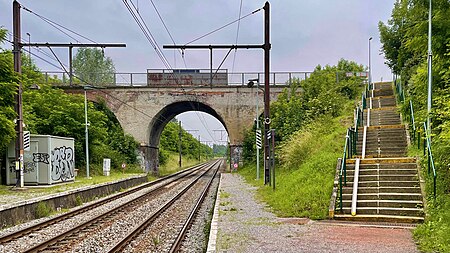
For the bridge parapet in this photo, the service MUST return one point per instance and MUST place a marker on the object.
(177, 78)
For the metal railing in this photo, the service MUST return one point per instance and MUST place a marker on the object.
(427, 150)
(400, 91)
(351, 139)
(412, 121)
(142, 79)
(431, 167)
(349, 151)
(364, 100)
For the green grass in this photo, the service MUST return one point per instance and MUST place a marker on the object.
(434, 234)
(172, 165)
(304, 181)
(43, 210)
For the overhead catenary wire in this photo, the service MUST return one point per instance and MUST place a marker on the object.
(168, 32)
(237, 36)
(147, 33)
(56, 25)
(222, 27)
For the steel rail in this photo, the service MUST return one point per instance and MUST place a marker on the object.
(67, 215)
(178, 241)
(99, 217)
(118, 247)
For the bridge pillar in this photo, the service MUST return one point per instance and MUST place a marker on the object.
(235, 156)
(151, 158)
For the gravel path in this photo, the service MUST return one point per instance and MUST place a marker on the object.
(248, 226)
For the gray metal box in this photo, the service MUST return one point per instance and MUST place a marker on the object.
(51, 160)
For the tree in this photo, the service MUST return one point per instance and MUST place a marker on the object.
(8, 87)
(91, 66)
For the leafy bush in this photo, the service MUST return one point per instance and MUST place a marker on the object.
(43, 210)
(404, 38)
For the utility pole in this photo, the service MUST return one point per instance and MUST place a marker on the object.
(266, 92)
(266, 47)
(199, 148)
(18, 97)
(179, 142)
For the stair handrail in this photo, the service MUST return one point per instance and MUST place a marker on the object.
(400, 91)
(351, 138)
(343, 169)
(363, 100)
(430, 157)
(413, 123)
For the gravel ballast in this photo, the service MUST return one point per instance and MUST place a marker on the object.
(245, 225)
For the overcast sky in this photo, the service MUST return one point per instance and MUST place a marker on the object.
(303, 34)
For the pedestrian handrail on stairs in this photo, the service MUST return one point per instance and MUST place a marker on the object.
(431, 167)
(412, 121)
(400, 91)
(350, 148)
(343, 169)
(363, 101)
(427, 139)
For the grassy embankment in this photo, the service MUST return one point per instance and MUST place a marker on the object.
(434, 234)
(304, 180)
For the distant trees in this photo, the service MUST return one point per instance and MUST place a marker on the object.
(190, 146)
(92, 67)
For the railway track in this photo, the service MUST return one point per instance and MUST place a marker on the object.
(64, 240)
(140, 231)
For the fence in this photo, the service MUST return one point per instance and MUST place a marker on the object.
(175, 78)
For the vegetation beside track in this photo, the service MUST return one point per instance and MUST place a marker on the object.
(310, 119)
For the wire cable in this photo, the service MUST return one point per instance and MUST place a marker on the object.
(56, 25)
(167, 30)
(237, 36)
(222, 27)
(147, 33)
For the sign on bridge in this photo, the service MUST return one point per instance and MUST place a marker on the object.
(186, 77)
(358, 74)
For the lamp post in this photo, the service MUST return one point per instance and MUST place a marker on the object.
(251, 82)
(370, 68)
(29, 48)
(86, 125)
(430, 58)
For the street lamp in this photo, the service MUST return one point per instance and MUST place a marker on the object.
(370, 69)
(430, 58)
(29, 48)
(86, 124)
(250, 84)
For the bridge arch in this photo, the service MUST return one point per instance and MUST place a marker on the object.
(164, 116)
(144, 111)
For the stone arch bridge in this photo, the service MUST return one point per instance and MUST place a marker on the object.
(143, 111)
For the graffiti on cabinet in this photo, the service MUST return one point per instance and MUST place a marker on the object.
(62, 161)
